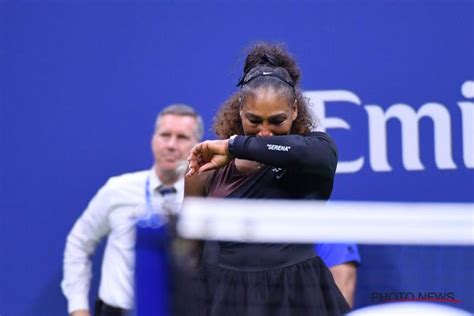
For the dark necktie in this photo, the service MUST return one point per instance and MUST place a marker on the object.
(166, 190)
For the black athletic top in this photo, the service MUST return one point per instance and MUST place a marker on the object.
(296, 167)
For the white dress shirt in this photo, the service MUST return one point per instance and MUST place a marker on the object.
(113, 211)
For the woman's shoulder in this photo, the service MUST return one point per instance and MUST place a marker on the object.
(319, 134)
(323, 137)
(198, 184)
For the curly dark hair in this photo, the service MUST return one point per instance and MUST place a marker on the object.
(267, 65)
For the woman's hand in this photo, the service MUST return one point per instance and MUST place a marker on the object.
(208, 155)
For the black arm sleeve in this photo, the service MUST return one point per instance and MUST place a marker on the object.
(314, 153)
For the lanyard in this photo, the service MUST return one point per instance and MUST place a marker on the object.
(150, 219)
(149, 208)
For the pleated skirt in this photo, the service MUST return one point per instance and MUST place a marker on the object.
(304, 288)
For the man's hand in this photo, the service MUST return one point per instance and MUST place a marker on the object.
(81, 312)
(208, 155)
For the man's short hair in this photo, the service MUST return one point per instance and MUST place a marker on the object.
(183, 110)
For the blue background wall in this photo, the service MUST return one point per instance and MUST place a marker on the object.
(82, 81)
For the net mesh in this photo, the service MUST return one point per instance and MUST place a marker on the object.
(410, 252)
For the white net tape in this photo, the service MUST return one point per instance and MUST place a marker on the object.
(311, 221)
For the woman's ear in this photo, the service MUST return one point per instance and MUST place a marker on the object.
(294, 115)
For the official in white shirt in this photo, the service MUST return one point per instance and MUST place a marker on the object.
(113, 212)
